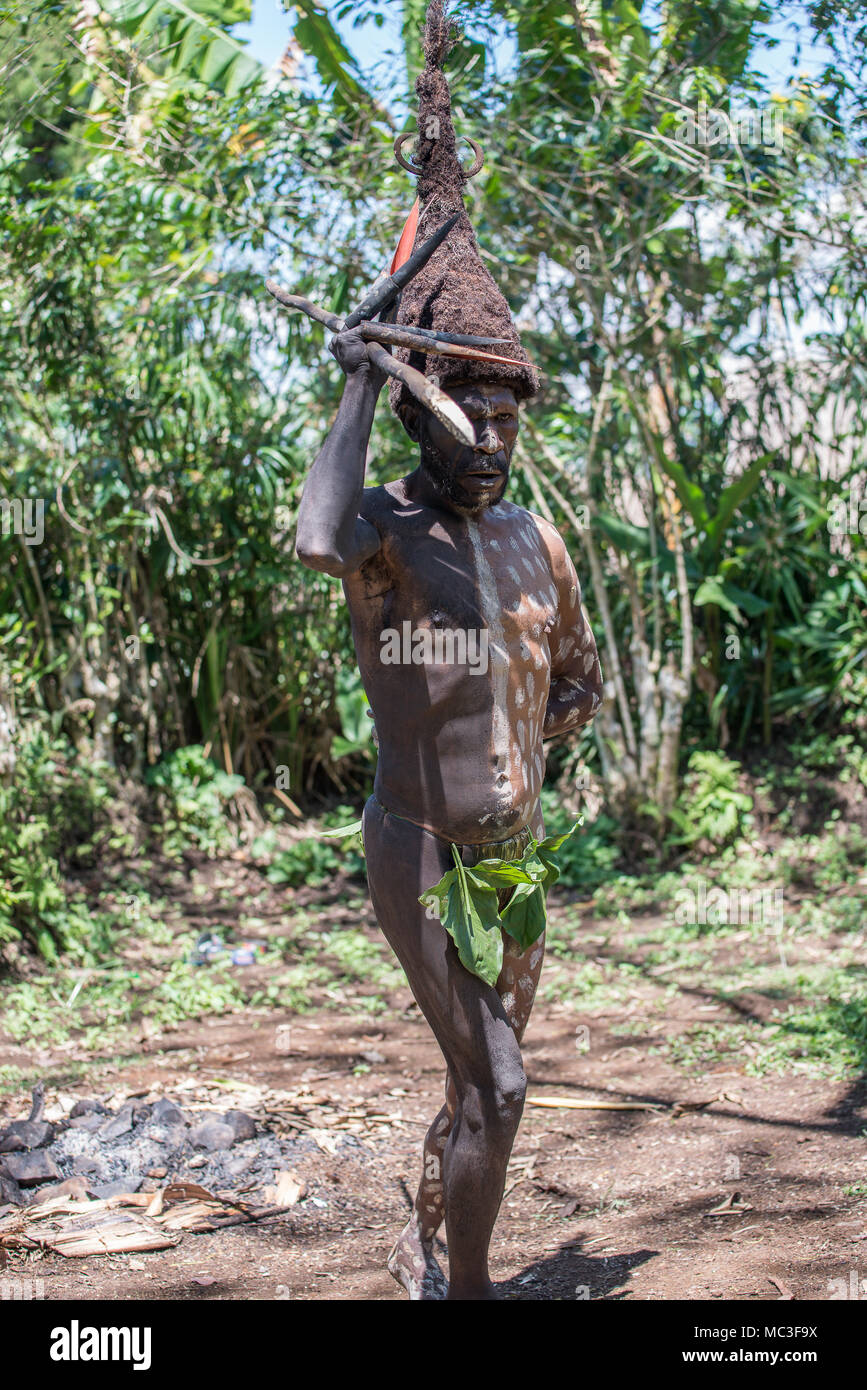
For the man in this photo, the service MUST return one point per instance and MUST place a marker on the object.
(441, 552)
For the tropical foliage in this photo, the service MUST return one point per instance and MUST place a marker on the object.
(684, 248)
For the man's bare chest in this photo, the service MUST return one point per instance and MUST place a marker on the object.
(460, 577)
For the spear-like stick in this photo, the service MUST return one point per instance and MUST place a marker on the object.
(297, 301)
(402, 336)
(388, 289)
(447, 411)
(382, 298)
(387, 332)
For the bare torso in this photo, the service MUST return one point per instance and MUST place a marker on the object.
(460, 746)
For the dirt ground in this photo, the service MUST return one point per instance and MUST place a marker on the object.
(600, 1204)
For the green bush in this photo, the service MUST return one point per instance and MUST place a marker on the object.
(317, 858)
(711, 807)
(590, 856)
(193, 794)
(309, 861)
(54, 816)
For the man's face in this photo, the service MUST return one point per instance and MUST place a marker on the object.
(471, 479)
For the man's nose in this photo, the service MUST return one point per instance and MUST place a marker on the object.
(489, 440)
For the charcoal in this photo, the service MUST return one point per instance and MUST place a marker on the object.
(242, 1125)
(90, 1121)
(119, 1124)
(167, 1113)
(88, 1107)
(26, 1134)
(30, 1169)
(212, 1135)
(116, 1189)
(10, 1192)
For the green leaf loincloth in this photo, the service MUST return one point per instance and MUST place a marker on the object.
(468, 903)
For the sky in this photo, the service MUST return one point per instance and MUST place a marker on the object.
(268, 33)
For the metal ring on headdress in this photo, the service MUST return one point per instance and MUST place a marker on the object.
(474, 168)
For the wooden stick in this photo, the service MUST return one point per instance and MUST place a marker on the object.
(297, 301)
(463, 339)
(569, 1103)
(403, 335)
(287, 801)
(437, 402)
(386, 290)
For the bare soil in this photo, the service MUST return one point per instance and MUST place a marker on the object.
(600, 1204)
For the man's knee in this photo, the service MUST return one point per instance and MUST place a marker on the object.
(494, 1097)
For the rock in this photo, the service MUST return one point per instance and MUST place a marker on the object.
(212, 1135)
(242, 1124)
(10, 1192)
(90, 1121)
(373, 1057)
(31, 1169)
(88, 1107)
(119, 1124)
(198, 1162)
(116, 1189)
(71, 1187)
(158, 1172)
(167, 1113)
(83, 1163)
(26, 1134)
(174, 1138)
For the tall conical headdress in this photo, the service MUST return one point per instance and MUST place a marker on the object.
(454, 292)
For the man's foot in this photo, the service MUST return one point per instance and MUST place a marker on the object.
(415, 1268)
(477, 1293)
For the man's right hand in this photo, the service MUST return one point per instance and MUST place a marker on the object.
(350, 349)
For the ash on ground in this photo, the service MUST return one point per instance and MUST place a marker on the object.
(140, 1147)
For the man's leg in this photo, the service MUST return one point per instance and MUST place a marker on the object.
(475, 1033)
(516, 987)
(412, 1257)
(412, 1261)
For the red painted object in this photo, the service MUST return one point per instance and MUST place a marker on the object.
(407, 240)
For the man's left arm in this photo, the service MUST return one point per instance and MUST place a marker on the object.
(576, 677)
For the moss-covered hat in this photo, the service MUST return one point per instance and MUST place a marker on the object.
(454, 292)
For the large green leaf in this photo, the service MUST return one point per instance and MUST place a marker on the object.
(335, 65)
(735, 601)
(732, 497)
(189, 41)
(467, 908)
(689, 492)
(524, 916)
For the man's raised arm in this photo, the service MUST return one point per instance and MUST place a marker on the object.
(331, 536)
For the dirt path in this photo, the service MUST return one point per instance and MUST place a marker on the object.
(600, 1204)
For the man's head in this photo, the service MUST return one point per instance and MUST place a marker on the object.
(468, 479)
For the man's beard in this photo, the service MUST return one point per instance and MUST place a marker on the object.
(445, 475)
